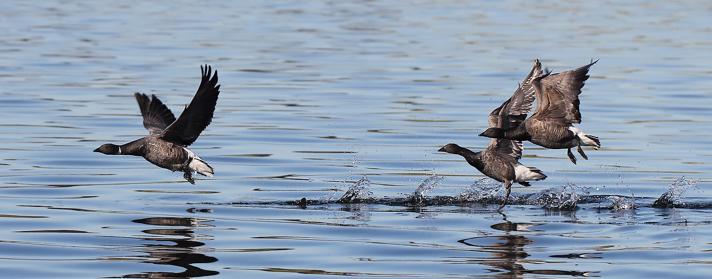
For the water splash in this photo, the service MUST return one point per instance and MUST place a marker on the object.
(673, 196)
(359, 191)
(483, 190)
(561, 198)
(328, 198)
(418, 197)
(622, 203)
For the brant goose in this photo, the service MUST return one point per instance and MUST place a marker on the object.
(551, 125)
(166, 144)
(500, 160)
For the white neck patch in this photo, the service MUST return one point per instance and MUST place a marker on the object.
(119, 149)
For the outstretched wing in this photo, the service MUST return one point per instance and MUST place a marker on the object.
(513, 112)
(558, 94)
(156, 116)
(515, 109)
(198, 114)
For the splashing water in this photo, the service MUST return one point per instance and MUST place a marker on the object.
(359, 191)
(426, 186)
(621, 203)
(482, 190)
(329, 197)
(561, 198)
(674, 193)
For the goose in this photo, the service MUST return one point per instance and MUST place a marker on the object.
(500, 160)
(552, 124)
(167, 144)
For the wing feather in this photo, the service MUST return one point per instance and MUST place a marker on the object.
(156, 116)
(513, 112)
(559, 94)
(198, 114)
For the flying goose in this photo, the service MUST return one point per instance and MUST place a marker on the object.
(500, 160)
(168, 139)
(551, 125)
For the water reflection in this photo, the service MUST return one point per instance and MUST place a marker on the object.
(509, 251)
(175, 246)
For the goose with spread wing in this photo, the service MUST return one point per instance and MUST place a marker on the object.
(167, 144)
(552, 124)
(500, 160)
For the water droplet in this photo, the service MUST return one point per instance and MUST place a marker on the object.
(359, 191)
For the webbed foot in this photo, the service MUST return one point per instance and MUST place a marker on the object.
(571, 156)
(508, 186)
(188, 175)
(580, 151)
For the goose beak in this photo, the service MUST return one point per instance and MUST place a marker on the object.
(442, 149)
(96, 150)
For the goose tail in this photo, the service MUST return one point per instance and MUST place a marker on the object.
(591, 140)
(524, 174)
(201, 167)
(586, 139)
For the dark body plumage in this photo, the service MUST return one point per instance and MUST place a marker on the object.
(166, 144)
(500, 160)
(551, 125)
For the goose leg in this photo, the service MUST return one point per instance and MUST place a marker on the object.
(571, 156)
(580, 151)
(508, 186)
(188, 175)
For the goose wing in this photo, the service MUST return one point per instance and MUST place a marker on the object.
(513, 112)
(515, 109)
(511, 148)
(198, 114)
(558, 94)
(156, 116)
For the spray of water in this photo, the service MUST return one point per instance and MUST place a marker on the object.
(418, 197)
(359, 191)
(483, 190)
(560, 198)
(673, 196)
(621, 203)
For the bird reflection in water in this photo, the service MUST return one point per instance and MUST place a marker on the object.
(509, 253)
(177, 246)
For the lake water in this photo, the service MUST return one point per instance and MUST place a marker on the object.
(322, 97)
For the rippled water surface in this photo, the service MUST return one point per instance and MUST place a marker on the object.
(326, 134)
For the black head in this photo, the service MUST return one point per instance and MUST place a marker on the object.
(108, 149)
(493, 133)
(451, 148)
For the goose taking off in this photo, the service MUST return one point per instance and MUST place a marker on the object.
(168, 139)
(500, 160)
(551, 125)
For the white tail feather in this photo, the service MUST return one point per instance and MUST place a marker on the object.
(524, 173)
(198, 165)
(201, 167)
(586, 140)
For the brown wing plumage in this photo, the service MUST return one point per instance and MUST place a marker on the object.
(511, 148)
(513, 112)
(156, 116)
(558, 93)
(198, 114)
(515, 109)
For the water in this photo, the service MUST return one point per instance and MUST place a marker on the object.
(316, 96)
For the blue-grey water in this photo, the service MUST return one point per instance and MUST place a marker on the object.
(322, 96)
